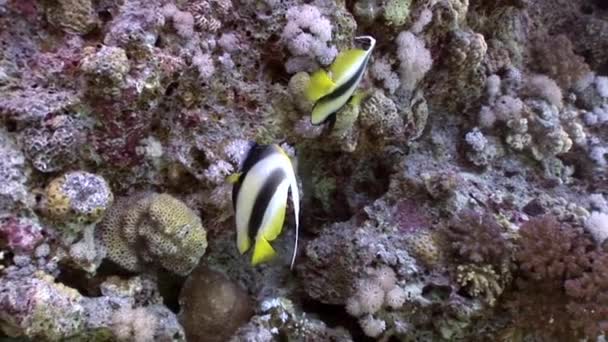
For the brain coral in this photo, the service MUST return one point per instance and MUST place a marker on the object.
(153, 228)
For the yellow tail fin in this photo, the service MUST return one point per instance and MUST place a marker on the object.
(320, 85)
(262, 252)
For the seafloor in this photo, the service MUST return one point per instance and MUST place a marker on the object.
(459, 195)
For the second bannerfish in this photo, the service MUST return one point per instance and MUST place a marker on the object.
(331, 90)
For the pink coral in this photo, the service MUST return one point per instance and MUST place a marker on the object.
(19, 235)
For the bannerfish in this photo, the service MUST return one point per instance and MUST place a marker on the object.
(259, 197)
(331, 90)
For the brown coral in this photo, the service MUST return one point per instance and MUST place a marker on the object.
(554, 56)
(426, 246)
(477, 238)
(551, 250)
(153, 228)
(589, 303)
(73, 16)
(213, 307)
(555, 260)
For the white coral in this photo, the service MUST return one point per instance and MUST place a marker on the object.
(597, 226)
(308, 34)
(415, 59)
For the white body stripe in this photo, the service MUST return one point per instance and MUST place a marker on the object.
(352, 70)
(279, 198)
(326, 109)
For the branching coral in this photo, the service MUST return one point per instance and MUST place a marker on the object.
(170, 233)
(477, 238)
(549, 250)
(415, 59)
(559, 276)
(589, 303)
(480, 281)
(554, 56)
(308, 35)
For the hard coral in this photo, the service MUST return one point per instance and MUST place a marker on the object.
(560, 274)
(55, 144)
(12, 174)
(78, 196)
(31, 104)
(20, 235)
(135, 325)
(589, 303)
(73, 16)
(39, 308)
(171, 234)
(426, 246)
(105, 70)
(480, 281)
(213, 306)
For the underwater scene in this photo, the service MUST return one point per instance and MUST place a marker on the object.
(303, 170)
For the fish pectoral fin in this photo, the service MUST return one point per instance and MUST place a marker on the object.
(358, 97)
(320, 85)
(262, 252)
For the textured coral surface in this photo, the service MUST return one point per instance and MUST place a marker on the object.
(459, 195)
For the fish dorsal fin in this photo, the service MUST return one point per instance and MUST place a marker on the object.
(320, 84)
(295, 200)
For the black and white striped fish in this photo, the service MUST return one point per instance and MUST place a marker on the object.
(259, 197)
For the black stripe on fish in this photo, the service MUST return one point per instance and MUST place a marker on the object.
(343, 88)
(255, 154)
(262, 201)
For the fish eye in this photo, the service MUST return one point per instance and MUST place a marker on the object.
(364, 41)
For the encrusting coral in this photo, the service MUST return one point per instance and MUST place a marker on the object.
(153, 229)
(79, 197)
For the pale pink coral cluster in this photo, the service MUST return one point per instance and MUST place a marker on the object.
(308, 35)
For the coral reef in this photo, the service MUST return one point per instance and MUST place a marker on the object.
(170, 233)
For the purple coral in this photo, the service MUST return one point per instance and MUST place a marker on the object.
(408, 216)
(19, 235)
